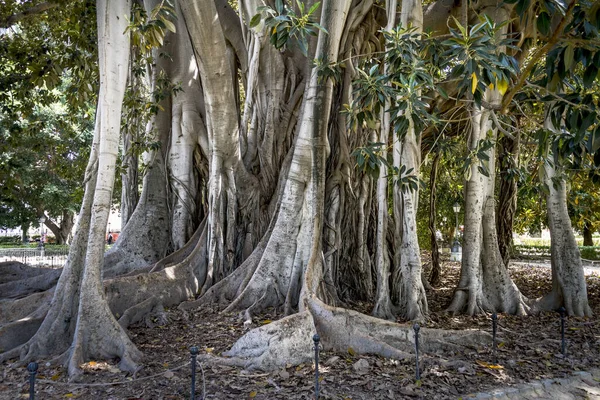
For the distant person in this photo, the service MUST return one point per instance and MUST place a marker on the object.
(110, 239)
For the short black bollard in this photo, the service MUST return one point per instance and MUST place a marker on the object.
(562, 312)
(494, 329)
(32, 368)
(194, 353)
(316, 339)
(416, 327)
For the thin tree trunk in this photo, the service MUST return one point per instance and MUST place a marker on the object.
(383, 303)
(407, 288)
(436, 269)
(97, 333)
(588, 235)
(129, 181)
(507, 195)
(569, 288)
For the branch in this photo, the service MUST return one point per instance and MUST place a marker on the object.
(37, 9)
(537, 55)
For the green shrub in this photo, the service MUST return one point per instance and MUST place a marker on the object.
(590, 252)
(540, 252)
(10, 240)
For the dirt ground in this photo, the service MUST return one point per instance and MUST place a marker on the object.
(529, 349)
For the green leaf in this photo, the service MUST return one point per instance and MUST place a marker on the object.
(314, 7)
(255, 20)
(169, 25)
(279, 6)
(593, 144)
(590, 74)
(569, 56)
(522, 7)
(543, 23)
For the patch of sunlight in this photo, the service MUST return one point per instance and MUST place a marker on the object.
(170, 272)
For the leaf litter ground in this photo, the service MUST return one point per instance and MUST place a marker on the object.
(529, 348)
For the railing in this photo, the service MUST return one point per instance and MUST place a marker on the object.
(48, 256)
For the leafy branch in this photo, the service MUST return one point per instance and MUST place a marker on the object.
(284, 23)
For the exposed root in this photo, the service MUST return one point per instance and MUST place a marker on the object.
(554, 300)
(12, 310)
(28, 285)
(289, 340)
(13, 271)
(99, 336)
(181, 254)
(230, 287)
(467, 300)
(140, 311)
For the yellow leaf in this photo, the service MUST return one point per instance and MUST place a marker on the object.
(502, 86)
(266, 321)
(166, 365)
(252, 394)
(92, 364)
(490, 366)
(69, 395)
(491, 86)
(55, 377)
(210, 349)
(473, 82)
(351, 351)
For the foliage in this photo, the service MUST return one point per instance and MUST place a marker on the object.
(47, 81)
(42, 163)
(285, 23)
(476, 60)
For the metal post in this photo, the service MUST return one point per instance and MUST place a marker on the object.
(416, 327)
(562, 312)
(194, 353)
(32, 368)
(316, 339)
(494, 329)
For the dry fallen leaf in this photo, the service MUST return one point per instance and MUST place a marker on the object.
(490, 366)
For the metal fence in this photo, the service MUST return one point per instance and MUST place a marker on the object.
(48, 257)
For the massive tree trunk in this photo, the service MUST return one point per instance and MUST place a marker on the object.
(285, 341)
(484, 284)
(569, 288)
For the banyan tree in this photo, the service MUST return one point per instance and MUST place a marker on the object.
(287, 145)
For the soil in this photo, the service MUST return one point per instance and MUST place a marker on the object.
(529, 348)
